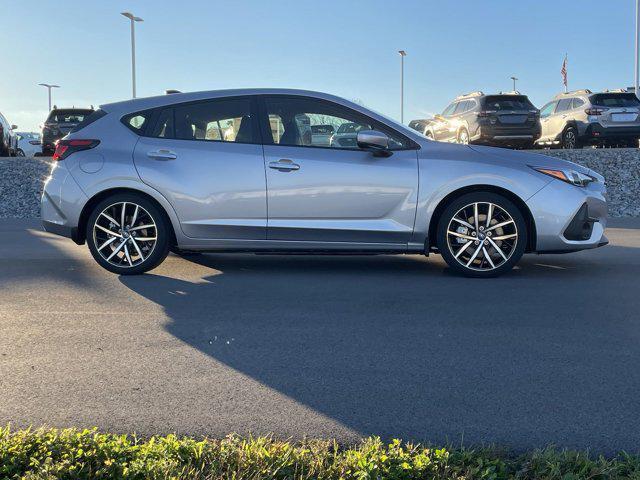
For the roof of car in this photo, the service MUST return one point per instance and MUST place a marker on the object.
(160, 100)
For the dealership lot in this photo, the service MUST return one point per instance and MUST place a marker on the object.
(324, 346)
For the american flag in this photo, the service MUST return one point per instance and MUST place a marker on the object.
(563, 71)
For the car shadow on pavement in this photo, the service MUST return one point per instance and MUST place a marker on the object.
(396, 346)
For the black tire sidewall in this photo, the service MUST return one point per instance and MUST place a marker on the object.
(161, 249)
(466, 199)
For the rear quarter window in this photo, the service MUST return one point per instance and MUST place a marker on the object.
(137, 122)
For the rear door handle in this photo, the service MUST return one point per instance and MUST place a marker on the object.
(162, 155)
(284, 165)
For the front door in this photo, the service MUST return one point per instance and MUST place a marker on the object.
(335, 193)
(206, 159)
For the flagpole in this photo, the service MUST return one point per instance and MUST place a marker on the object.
(566, 84)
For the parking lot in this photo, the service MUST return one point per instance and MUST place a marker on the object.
(324, 346)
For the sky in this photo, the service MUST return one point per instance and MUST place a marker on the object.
(344, 47)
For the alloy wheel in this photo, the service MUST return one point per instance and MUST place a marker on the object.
(569, 139)
(125, 234)
(482, 236)
(464, 137)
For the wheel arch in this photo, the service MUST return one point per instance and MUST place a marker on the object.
(517, 201)
(98, 197)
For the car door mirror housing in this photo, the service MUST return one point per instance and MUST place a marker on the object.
(374, 141)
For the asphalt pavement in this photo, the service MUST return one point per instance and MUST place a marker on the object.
(328, 346)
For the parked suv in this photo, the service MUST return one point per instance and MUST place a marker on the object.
(575, 119)
(505, 119)
(59, 123)
(8, 138)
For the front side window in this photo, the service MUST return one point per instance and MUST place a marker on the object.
(462, 107)
(547, 109)
(308, 122)
(449, 110)
(225, 120)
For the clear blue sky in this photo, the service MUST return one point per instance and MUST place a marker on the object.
(344, 47)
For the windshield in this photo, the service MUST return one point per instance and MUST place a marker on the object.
(68, 116)
(507, 102)
(615, 100)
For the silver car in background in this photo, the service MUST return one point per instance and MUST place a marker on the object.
(238, 171)
(581, 118)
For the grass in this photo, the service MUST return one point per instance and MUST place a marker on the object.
(85, 454)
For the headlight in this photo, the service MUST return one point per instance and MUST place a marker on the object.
(570, 176)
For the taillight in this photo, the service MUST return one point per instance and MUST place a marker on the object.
(64, 148)
(595, 111)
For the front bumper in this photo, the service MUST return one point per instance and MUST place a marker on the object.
(560, 212)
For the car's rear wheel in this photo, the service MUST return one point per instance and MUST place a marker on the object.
(570, 139)
(128, 234)
(481, 234)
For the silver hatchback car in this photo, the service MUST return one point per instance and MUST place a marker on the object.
(238, 171)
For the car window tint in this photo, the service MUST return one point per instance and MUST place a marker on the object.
(547, 109)
(449, 109)
(227, 120)
(564, 104)
(308, 122)
(615, 100)
(164, 125)
(136, 122)
(461, 107)
(577, 103)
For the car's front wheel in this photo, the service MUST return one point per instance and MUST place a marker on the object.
(127, 234)
(481, 234)
(570, 139)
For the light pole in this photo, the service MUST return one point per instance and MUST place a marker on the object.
(402, 55)
(637, 72)
(514, 83)
(49, 87)
(133, 19)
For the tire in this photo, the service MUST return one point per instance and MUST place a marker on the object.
(463, 136)
(570, 139)
(460, 250)
(131, 257)
(20, 153)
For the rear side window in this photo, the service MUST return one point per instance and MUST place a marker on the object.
(564, 105)
(507, 102)
(89, 119)
(577, 103)
(615, 100)
(216, 120)
(462, 107)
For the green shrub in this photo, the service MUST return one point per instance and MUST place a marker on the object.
(84, 454)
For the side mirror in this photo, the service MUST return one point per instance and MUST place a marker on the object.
(374, 141)
(14, 127)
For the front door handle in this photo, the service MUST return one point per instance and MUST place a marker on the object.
(162, 155)
(284, 165)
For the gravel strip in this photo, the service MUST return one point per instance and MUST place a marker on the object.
(21, 181)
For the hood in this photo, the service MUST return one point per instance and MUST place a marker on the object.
(529, 158)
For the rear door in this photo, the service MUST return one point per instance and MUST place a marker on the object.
(546, 114)
(442, 126)
(206, 158)
(338, 193)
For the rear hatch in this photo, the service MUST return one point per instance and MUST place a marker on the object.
(62, 122)
(617, 109)
(510, 114)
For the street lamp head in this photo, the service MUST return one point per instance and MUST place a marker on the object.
(402, 53)
(132, 17)
(514, 78)
(48, 85)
